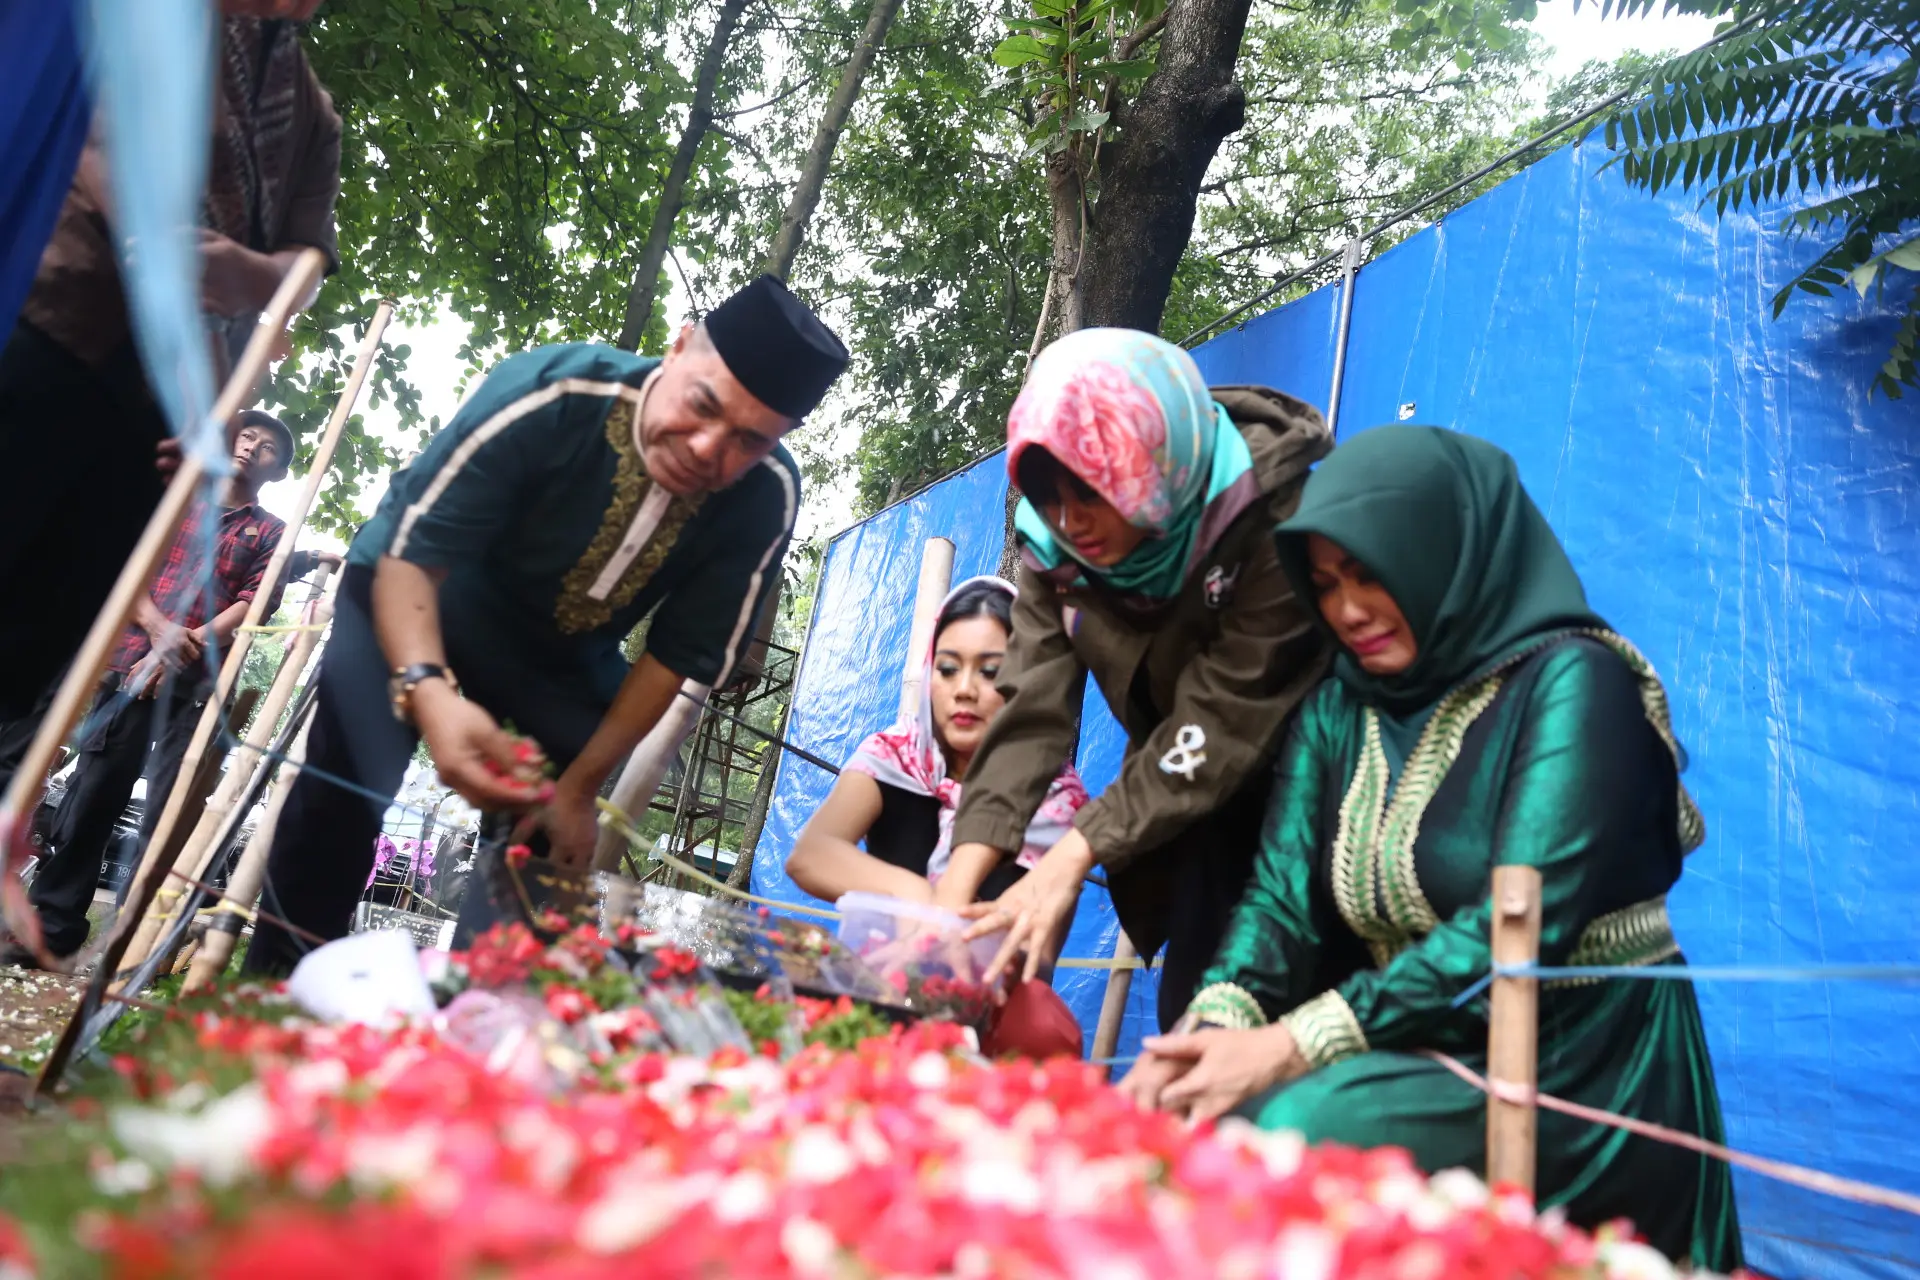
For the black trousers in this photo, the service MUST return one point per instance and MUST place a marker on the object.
(126, 737)
(323, 846)
(77, 486)
(1182, 894)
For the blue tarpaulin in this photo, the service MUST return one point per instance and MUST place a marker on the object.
(1737, 505)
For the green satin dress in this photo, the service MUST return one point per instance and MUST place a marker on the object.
(1369, 912)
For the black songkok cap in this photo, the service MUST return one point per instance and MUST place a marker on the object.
(776, 348)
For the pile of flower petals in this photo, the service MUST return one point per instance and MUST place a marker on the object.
(389, 1155)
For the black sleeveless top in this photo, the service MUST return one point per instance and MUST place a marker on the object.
(906, 831)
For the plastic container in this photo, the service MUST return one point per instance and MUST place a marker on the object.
(919, 951)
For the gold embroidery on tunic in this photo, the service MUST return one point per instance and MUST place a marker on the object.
(576, 610)
(1375, 885)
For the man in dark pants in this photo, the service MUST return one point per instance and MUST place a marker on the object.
(157, 683)
(78, 423)
(578, 490)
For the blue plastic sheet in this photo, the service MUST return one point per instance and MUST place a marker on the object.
(43, 121)
(849, 686)
(1738, 507)
(1736, 504)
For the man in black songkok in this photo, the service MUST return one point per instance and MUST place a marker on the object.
(578, 490)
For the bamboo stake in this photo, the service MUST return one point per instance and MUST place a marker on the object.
(243, 886)
(647, 766)
(253, 361)
(1513, 1038)
(936, 576)
(249, 761)
(1106, 1032)
(88, 664)
(151, 871)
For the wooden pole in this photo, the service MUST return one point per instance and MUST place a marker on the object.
(1513, 1038)
(24, 792)
(243, 886)
(198, 851)
(209, 776)
(646, 767)
(151, 874)
(936, 577)
(152, 871)
(1106, 1032)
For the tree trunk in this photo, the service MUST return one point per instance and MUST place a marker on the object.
(1010, 548)
(646, 277)
(1150, 174)
(1063, 309)
(806, 196)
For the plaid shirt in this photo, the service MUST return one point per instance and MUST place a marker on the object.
(244, 544)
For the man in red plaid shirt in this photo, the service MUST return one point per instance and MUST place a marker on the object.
(158, 679)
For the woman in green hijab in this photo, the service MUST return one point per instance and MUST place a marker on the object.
(1479, 715)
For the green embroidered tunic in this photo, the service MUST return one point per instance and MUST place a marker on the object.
(1369, 915)
(536, 501)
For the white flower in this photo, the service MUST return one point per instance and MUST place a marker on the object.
(190, 1096)
(929, 1071)
(809, 1246)
(1460, 1188)
(376, 1162)
(319, 1077)
(123, 1178)
(1305, 1252)
(628, 1215)
(1625, 1260)
(1280, 1150)
(1000, 1182)
(218, 1143)
(744, 1196)
(817, 1155)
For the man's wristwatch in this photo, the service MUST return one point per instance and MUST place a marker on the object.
(404, 680)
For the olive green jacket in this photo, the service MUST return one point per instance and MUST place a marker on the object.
(1203, 693)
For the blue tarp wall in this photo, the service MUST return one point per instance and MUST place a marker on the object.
(1737, 505)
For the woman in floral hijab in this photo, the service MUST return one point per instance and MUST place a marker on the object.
(1147, 500)
(898, 793)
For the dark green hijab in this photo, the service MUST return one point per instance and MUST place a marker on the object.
(1445, 524)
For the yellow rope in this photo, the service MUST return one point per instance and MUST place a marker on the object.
(623, 825)
(615, 817)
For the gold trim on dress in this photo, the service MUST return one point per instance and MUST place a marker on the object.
(1225, 1005)
(1376, 885)
(575, 609)
(1325, 1030)
(1636, 936)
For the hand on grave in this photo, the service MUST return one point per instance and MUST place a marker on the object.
(1037, 911)
(1226, 1068)
(476, 757)
(1149, 1078)
(572, 824)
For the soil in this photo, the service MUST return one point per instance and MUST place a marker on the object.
(34, 1006)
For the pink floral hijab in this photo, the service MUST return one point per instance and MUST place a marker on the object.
(908, 756)
(1131, 416)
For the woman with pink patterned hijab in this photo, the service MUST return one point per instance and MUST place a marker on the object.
(899, 792)
(1145, 529)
